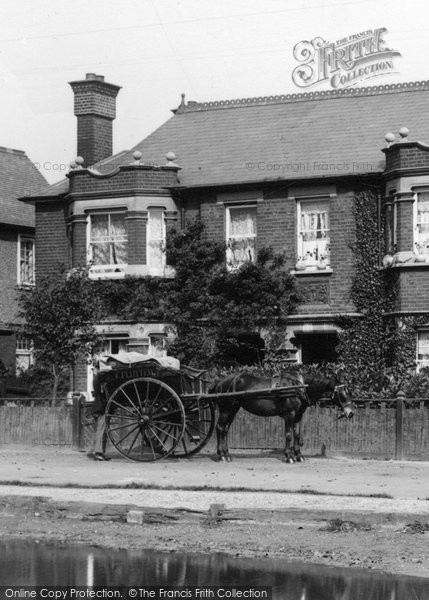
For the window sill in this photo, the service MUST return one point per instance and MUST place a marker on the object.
(120, 272)
(311, 271)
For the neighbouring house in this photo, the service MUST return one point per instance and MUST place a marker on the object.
(18, 177)
(278, 171)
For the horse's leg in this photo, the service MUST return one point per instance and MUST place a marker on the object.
(288, 440)
(227, 413)
(297, 441)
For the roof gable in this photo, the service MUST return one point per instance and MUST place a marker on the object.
(18, 177)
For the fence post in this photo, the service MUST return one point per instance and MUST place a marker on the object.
(399, 447)
(76, 428)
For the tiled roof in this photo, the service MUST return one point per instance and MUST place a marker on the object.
(18, 177)
(316, 134)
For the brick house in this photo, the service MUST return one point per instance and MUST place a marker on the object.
(18, 176)
(279, 171)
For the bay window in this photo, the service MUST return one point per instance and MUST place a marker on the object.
(314, 231)
(240, 235)
(108, 239)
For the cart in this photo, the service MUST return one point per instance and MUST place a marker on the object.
(154, 411)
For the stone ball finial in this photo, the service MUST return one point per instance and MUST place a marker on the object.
(137, 155)
(73, 165)
(171, 160)
(79, 160)
(404, 132)
(389, 137)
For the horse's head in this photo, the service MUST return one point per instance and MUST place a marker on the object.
(342, 398)
(330, 385)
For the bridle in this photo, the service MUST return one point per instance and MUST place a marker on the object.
(336, 395)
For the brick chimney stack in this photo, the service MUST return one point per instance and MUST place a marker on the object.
(95, 109)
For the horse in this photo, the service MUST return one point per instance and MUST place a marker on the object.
(307, 389)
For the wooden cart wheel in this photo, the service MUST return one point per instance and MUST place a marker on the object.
(145, 419)
(199, 425)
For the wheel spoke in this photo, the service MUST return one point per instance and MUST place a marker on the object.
(129, 399)
(125, 436)
(134, 441)
(157, 437)
(165, 414)
(138, 395)
(120, 427)
(122, 417)
(163, 431)
(122, 406)
(165, 402)
(151, 447)
(156, 397)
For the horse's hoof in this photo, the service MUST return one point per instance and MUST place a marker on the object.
(300, 459)
(289, 460)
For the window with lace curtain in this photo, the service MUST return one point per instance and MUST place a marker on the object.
(314, 231)
(421, 230)
(240, 235)
(108, 239)
(26, 270)
(155, 237)
(422, 348)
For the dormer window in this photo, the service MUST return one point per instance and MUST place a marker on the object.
(108, 240)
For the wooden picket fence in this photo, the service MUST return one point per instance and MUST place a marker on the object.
(388, 429)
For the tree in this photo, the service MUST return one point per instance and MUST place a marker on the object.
(213, 308)
(61, 311)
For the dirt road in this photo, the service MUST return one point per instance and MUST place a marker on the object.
(340, 512)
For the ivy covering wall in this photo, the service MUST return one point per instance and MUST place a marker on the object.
(377, 351)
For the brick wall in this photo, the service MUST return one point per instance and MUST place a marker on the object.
(8, 276)
(94, 138)
(406, 155)
(342, 259)
(52, 244)
(413, 289)
(8, 351)
(276, 227)
(136, 227)
(128, 179)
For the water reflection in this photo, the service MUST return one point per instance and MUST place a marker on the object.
(25, 563)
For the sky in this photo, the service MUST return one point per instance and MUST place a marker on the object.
(158, 49)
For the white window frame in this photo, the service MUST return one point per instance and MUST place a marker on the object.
(24, 348)
(416, 248)
(153, 338)
(153, 270)
(421, 362)
(245, 206)
(90, 368)
(111, 270)
(23, 239)
(311, 262)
